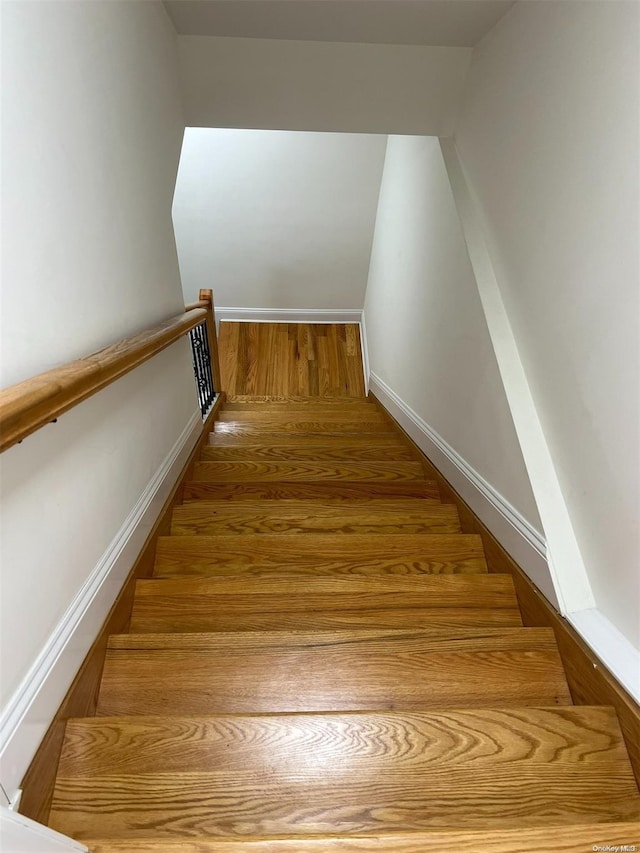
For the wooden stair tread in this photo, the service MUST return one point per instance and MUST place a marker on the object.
(298, 426)
(357, 553)
(367, 685)
(291, 602)
(290, 517)
(256, 401)
(237, 472)
(321, 414)
(275, 438)
(347, 450)
(310, 408)
(348, 773)
(285, 671)
(334, 492)
(556, 839)
(296, 398)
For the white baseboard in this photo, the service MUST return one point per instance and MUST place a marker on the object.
(19, 834)
(29, 712)
(288, 315)
(525, 544)
(614, 650)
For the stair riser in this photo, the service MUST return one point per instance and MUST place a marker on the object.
(318, 453)
(298, 674)
(329, 492)
(358, 554)
(214, 519)
(238, 472)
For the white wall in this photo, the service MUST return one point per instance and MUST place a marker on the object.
(426, 332)
(275, 219)
(306, 85)
(548, 138)
(92, 128)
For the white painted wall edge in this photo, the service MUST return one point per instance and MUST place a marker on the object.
(521, 540)
(19, 834)
(27, 715)
(364, 345)
(614, 650)
(569, 575)
(288, 315)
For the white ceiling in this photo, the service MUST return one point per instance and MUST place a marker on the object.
(451, 23)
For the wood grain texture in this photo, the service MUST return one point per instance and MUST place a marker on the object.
(590, 681)
(307, 472)
(292, 517)
(470, 591)
(435, 553)
(399, 742)
(549, 839)
(277, 672)
(349, 773)
(278, 438)
(328, 492)
(193, 615)
(254, 400)
(308, 405)
(346, 639)
(278, 414)
(31, 404)
(82, 696)
(299, 425)
(284, 359)
(352, 631)
(346, 450)
(243, 603)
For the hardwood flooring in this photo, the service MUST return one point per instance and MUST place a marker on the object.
(268, 602)
(577, 838)
(316, 774)
(322, 662)
(280, 359)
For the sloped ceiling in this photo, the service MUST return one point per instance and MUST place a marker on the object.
(447, 23)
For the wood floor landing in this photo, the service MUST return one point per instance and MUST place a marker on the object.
(281, 359)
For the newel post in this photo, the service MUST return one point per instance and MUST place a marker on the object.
(207, 296)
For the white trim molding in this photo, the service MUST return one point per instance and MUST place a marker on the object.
(570, 579)
(19, 834)
(29, 712)
(288, 315)
(617, 653)
(525, 544)
(364, 346)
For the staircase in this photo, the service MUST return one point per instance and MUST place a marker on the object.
(322, 662)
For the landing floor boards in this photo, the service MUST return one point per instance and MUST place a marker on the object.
(282, 359)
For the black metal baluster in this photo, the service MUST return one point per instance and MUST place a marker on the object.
(202, 367)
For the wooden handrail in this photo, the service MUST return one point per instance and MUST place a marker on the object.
(202, 303)
(31, 404)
